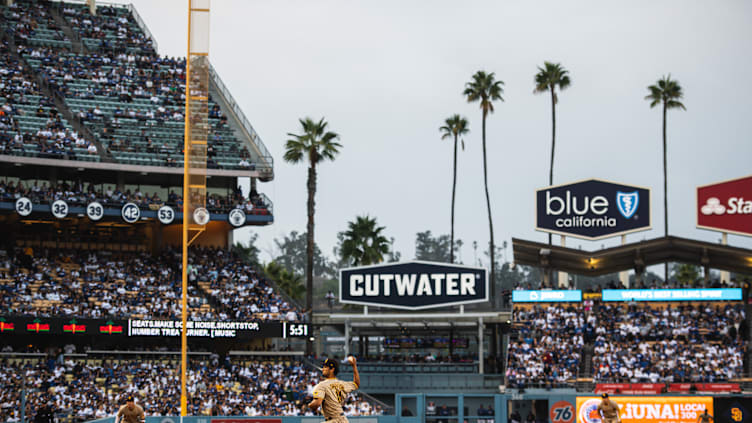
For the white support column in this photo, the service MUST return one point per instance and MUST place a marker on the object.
(725, 276)
(480, 345)
(347, 338)
(624, 276)
(563, 276)
(92, 7)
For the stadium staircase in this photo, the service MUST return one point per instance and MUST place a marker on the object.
(584, 381)
(60, 104)
(77, 46)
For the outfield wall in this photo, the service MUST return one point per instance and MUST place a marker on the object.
(557, 408)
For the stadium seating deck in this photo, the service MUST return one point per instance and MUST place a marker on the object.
(130, 99)
(101, 284)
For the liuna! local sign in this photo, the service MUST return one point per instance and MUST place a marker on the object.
(413, 285)
(592, 209)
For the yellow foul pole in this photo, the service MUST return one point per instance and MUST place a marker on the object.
(184, 286)
(195, 215)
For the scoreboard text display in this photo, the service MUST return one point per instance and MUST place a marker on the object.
(647, 409)
(115, 328)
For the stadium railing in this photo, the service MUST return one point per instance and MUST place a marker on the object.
(246, 126)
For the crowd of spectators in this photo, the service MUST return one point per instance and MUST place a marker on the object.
(79, 193)
(683, 343)
(112, 29)
(27, 20)
(103, 284)
(144, 92)
(20, 98)
(548, 350)
(117, 87)
(631, 343)
(236, 285)
(87, 389)
(95, 284)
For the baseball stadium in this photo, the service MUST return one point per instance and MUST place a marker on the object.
(146, 275)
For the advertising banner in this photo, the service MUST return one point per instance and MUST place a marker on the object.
(726, 294)
(733, 409)
(42, 326)
(592, 209)
(561, 412)
(726, 206)
(653, 409)
(546, 296)
(413, 285)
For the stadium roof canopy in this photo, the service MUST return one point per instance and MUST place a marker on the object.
(635, 256)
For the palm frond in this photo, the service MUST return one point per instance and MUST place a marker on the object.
(484, 88)
(666, 91)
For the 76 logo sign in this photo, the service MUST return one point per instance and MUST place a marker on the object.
(562, 412)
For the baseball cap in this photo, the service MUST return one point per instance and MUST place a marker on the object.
(332, 364)
(129, 398)
(604, 395)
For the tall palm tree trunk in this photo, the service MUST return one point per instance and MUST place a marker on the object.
(454, 190)
(492, 247)
(491, 250)
(665, 190)
(553, 136)
(310, 245)
(553, 146)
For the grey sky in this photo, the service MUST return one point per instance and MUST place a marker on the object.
(386, 73)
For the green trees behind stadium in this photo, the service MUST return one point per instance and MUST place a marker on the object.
(363, 242)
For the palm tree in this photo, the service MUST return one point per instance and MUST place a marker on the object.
(454, 126)
(363, 242)
(314, 145)
(290, 282)
(548, 78)
(669, 93)
(485, 89)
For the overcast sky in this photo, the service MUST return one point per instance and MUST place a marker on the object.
(385, 74)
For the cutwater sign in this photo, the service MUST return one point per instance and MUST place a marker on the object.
(592, 209)
(729, 294)
(413, 285)
(547, 296)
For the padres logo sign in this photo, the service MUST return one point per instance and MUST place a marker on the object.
(736, 414)
(561, 412)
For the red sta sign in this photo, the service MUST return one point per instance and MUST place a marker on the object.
(726, 206)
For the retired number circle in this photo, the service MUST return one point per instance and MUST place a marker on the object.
(130, 213)
(166, 215)
(59, 209)
(236, 218)
(95, 211)
(24, 206)
(201, 216)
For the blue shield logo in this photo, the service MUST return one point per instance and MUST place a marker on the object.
(627, 203)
